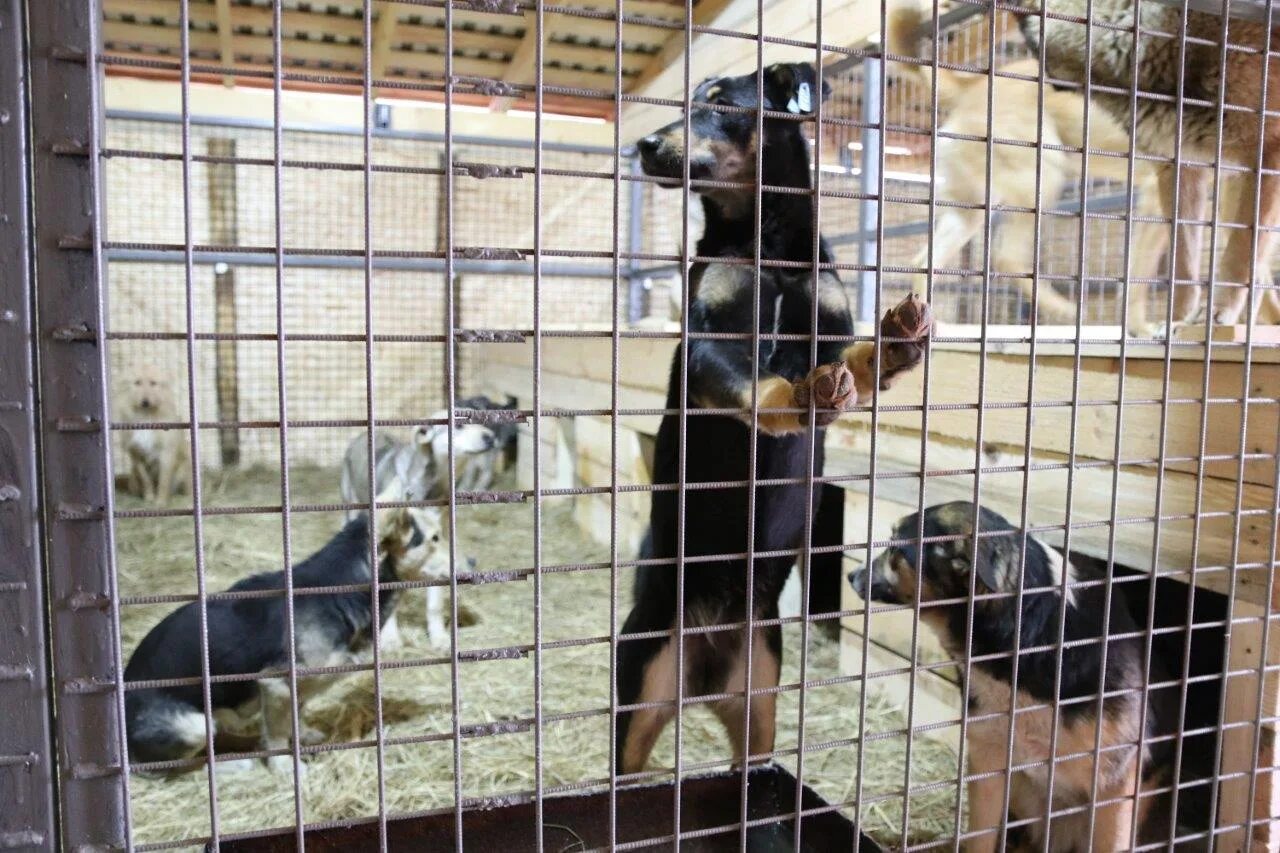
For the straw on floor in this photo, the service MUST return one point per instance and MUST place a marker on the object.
(156, 555)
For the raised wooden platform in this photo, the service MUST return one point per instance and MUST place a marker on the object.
(1131, 448)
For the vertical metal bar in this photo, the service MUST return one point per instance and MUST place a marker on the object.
(635, 215)
(1118, 449)
(197, 512)
(1259, 161)
(538, 590)
(979, 421)
(868, 310)
(682, 418)
(1176, 181)
(635, 240)
(805, 559)
(26, 751)
(1269, 609)
(75, 451)
(869, 185)
(367, 117)
(1082, 242)
(757, 226)
(282, 411)
(931, 216)
(1027, 442)
(450, 389)
(1214, 196)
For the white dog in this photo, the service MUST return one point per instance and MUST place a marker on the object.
(410, 471)
(159, 459)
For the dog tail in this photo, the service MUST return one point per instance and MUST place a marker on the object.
(902, 37)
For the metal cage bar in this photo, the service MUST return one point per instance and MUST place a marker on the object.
(72, 431)
(76, 467)
(28, 817)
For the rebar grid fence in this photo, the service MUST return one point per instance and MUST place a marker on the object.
(295, 289)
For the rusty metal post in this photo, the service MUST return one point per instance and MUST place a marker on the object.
(26, 756)
(75, 459)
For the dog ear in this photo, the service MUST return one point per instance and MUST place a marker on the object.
(794, 87)
(391, 520)
(996, 560)
(424, 435)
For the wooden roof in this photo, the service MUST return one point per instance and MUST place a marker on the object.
(323, 45)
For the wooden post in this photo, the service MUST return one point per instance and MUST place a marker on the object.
(223, 231)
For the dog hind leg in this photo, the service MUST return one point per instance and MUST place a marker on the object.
(277, 722)
(1241, 263)
(657, 683)
(766, 664)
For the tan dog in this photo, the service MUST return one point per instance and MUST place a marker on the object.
(1163, 69)
(962, 172)
(159, 459)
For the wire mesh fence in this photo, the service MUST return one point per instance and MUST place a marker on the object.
(712, 488)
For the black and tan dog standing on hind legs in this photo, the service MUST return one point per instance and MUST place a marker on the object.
(723, 147)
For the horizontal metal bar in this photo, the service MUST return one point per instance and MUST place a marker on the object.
(1114, 201)
(352, 262)
(350, 130)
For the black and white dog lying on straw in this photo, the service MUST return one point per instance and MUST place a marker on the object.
(1088, 744)
(248, 635)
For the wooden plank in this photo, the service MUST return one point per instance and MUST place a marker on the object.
(954, 377)
(384, 36)
(1237, 334)
(226, 50)
(1238, 755)
(118, 34)
(898, 453)
(705, 14)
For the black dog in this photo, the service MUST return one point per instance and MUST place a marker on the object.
(248, 636)
(941, 572)
(724, 146)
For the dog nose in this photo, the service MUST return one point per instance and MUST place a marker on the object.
(858, 580)
(649, 145)
(145, 402)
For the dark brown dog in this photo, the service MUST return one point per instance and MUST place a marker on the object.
(941, 575)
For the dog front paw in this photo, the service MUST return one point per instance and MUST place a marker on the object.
(283, 765)
(912, 320)
(829, 387)
(311, 736)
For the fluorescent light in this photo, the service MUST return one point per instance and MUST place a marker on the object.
(897, 150)
(550, 116)
(909, 177)
(429, 105)
(889, 175)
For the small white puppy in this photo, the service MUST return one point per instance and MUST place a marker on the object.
(159, 459)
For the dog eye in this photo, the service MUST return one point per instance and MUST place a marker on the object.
(435, 537)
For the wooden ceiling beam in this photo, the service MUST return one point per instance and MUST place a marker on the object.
(523, 62)
(226, 51)
(705, 14)
(383, 34)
